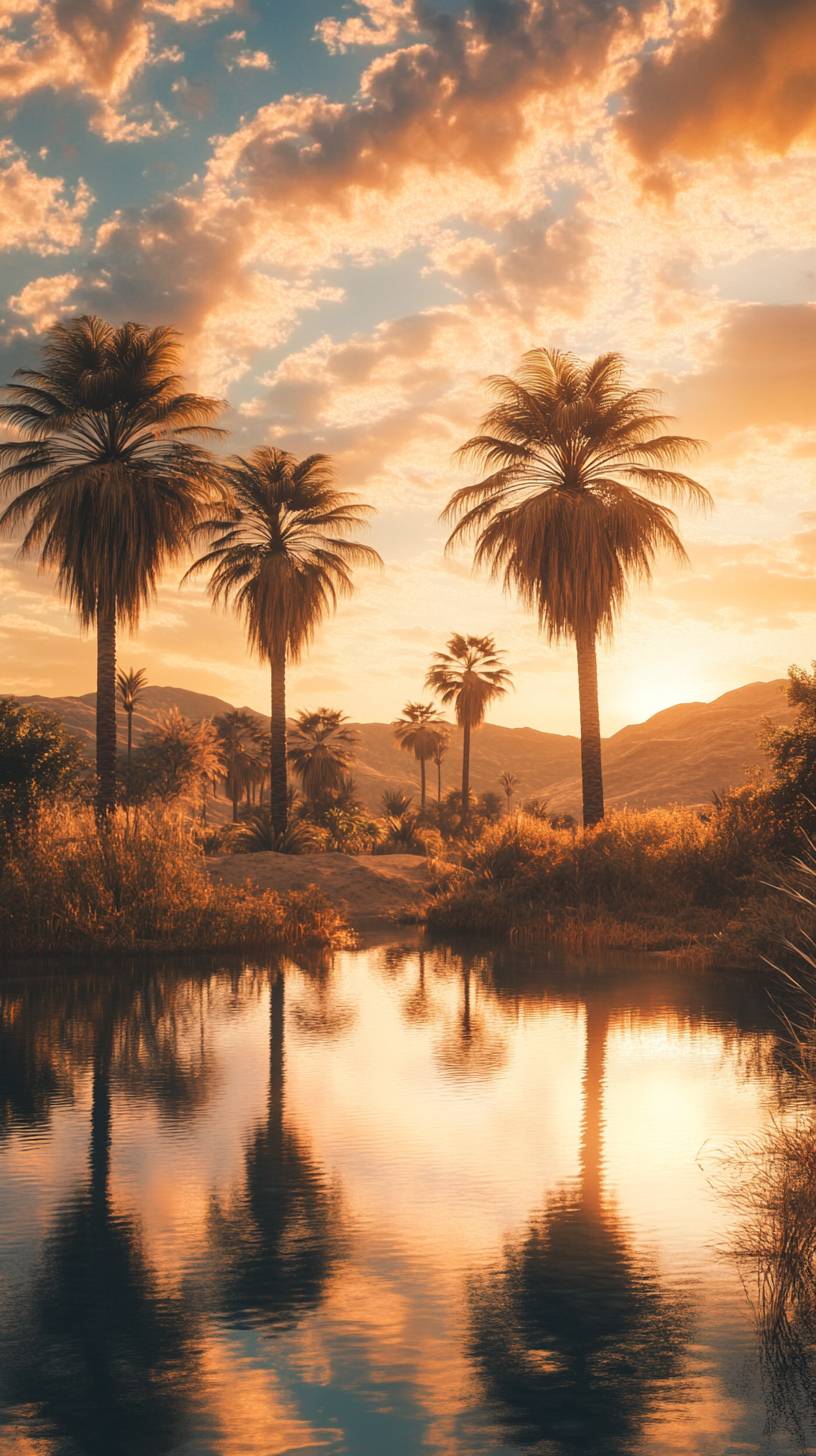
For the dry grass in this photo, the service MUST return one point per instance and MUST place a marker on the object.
(652, 880)
(138, 885)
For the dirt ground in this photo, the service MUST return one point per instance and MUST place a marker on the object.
(368, 889)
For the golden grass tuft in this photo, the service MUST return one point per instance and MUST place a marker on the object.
(141, 883)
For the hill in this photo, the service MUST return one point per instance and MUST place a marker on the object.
(682, 755)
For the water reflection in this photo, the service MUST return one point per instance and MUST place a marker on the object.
(278, 1241)
(103, 1359)
(572, 1334)
(407, 1199)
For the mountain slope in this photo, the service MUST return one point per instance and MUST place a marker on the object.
(681, 755)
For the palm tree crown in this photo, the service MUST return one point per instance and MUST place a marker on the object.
(322, 750)
(468, 676)
(130, 686)
(283, 556)
(280, 551)
(418, 731)
(562, 515)
(566, 513)
(110, 479)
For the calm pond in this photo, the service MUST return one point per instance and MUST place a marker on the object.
(399, 1201)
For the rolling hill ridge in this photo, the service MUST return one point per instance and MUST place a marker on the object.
(683, 754)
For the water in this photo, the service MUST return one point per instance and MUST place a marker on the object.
(399, 1201)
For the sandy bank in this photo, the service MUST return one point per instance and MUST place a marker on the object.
(368, 889)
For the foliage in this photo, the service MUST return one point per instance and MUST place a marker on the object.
(349, 831)
(280, 553)
(790, 803)
(468, 676)
(39, 760)
(244, 746)
(524, 869)
(177, 756)
(137, 883)
(130, 686)
(258, 832)
(321, 751)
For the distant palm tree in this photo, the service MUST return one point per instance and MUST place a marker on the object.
(112, 481)
(280, 554)
(561, 516)
(509, 783)
(182, 755)
(241, 735)
(322, 750)
(469, 676)
(130, 686)
(439, 751)
(418, 731)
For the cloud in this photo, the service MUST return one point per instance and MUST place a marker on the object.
(760, 373)
(749, 77)
(38, 213)
(381, 23)
(752, 585)
(96, 48)
(44, 299)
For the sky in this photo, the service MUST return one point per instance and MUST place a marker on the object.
(354, 213)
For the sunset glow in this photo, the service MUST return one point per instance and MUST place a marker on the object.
(354, 214)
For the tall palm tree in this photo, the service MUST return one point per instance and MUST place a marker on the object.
(509, 783)
(417, 731)
(112, 482)
(440, 749)
(469, 676)
(322, 750)
(280, 554)
(241, 736)
(563, 516)
(130, 686)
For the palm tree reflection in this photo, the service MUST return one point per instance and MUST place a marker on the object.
(105, 1358)
(280, 1238)
(571, 1335)
(471, 1047)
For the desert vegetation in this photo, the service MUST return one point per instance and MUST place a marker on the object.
(112, 470)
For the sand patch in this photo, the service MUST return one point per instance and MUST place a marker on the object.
(366, 888)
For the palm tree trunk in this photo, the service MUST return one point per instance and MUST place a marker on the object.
(591, 768)
(277, 759)
(235, 789)
(129, 753)
(465, 775)
(105, 710)
(422, 785)
(438, 783)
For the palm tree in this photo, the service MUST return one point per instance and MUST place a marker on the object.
(469, 675)
(240, 734)
(322, 750)
(562, 516)
(280, 555)
(439, 751)
(417, 731)
(509, 783)
(112, 483)
(181, 755)
(130, 686)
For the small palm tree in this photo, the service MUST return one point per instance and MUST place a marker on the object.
(130, 686)
(281, 555)
(439, 751)
(417, 731)
(111, 483)
(321, 751)
(509, 783)
(562, 515)
(469, 676)
(240, 734)
(181, 755)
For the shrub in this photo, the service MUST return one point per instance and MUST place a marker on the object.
(39, 761)
(66, 886)
(631, 864)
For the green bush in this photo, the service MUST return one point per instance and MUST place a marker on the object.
(39, 761)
